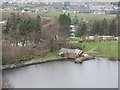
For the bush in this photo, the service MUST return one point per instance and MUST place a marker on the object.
(12, 54)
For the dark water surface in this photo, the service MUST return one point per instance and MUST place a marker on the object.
(65, 74)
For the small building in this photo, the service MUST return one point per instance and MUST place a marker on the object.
(70, 53)
(72, 30)
(107, 37)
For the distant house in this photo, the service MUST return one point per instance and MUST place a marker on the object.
(70, 53)
(90, 37)
(101, 37)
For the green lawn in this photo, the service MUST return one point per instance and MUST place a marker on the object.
(109, 49)
(89, 46)
(75, 39)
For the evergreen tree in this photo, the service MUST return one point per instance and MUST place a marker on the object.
(23, 28)
(64, 23)
(95, 28)
(64, 19)
(113, 28)
(82, 30)
(38, 28)
(38, 24)
(118, 24)
(104, 28)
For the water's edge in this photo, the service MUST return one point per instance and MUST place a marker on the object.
(27, 63)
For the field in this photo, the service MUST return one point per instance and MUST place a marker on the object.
(81, 15)
(109, 49)
(72, 15)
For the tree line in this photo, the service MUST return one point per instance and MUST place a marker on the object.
(101, 27)
(21, 29)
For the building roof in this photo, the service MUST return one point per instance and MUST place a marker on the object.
(71, 51)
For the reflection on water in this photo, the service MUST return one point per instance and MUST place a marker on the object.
(65, 74)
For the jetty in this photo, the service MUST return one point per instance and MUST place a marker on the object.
(81, 59)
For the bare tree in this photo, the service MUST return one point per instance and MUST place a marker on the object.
(5, 83)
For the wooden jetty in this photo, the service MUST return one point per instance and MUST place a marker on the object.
(81, 59)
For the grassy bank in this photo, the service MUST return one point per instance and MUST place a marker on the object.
(109, 49)
(47, 55)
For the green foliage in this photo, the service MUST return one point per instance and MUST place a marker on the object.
(23, 28)
(113, 28)
(82, 30)
(64, 19)
(17, 26)
(26, 26)
(10, 23)
(95, 28)
(104, 28)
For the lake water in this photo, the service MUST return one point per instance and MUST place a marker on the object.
(65, 74)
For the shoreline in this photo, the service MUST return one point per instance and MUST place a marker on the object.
(109, 58)
(27, 63)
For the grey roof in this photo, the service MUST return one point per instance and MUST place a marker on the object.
(70, 51)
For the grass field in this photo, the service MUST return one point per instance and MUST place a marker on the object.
(72, 15)
(109, 49)
(82, 15)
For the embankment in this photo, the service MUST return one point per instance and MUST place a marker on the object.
(4, 67)
(32, 62)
